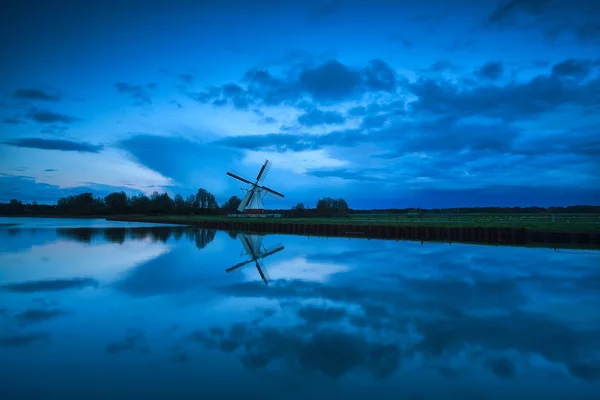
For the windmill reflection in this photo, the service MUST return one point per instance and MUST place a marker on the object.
(257, 252)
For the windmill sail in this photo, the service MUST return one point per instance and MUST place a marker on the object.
(254, 248)
(252, 203)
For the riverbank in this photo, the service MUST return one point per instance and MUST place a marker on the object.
(492, 231)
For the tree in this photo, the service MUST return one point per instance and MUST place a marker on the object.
(327, 207)
(116, 202)
(232, 204)
(139, 204)
(298, 210)
(16, 206)
(180, 206)
(206, 200)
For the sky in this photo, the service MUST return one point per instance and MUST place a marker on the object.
(382, 103)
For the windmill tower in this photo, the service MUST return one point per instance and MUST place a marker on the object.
(254, 249)
(252, 203)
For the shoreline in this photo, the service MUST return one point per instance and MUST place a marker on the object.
(397, 231)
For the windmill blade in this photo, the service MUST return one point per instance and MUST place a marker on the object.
(261, 272)
(239, 178)
(272, 251)
(238, 265)
(245, 201)
(271, 191)
(248, 246)
(251, 192)
(263, 170)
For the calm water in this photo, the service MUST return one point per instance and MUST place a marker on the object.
(91, 309)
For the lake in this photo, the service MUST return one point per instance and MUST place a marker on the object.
(97, 309)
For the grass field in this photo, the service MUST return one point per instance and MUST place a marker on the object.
(542, 222)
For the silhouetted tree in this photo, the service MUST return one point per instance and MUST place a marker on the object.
(298, 210)
(327, 207)
(116, 202)
(179, 203)
(232, 204)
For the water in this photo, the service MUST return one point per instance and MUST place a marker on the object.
(118, 311)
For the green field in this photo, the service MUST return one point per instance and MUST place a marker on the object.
(541, 222)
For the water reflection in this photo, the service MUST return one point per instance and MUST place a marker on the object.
(254, 248)
(339, 318)
(202, 237)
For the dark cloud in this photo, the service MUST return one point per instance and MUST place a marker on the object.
(580, 19)
(541, 94)
(50, 170)
(38, 94)
(133, 340)
(448, 312)
(319, 315)
(508, 9)
(343, 173)
(318, 117)
(38, 315)
(155, 152)
(55, 144)
(573, 68)
(326, 83)
(437, 135)
(501, 367)
(186, 79)
(49, 285)
(440, 66)
(332, 352)
(13, 121)
(491, 70)
(23, 340)
(140, 93)
(49, 117)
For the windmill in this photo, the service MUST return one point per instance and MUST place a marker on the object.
(254, 248)
(252, 203)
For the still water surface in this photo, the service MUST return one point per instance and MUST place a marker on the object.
(96, 309)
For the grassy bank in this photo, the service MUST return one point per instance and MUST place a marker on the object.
(537, 222)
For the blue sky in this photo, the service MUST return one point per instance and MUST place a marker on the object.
(386, 104)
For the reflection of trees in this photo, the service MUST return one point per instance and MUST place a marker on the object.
(202, 237)
(233, 234)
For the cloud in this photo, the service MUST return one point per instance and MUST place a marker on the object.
(317, 117)
(133, 340)
(13, 121)
(141, 94)
(54, 144)
(192, 157)
(186, 79)
(35, 316)
(325, 83)
(27, 189)
(52, 95)
(50, 170)
(49, 117)
(513, 101)
(491, 70)
(23, 340)
(552, 17)
(49, 285)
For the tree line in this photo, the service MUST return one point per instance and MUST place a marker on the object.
(204, 202)
(119, 203)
